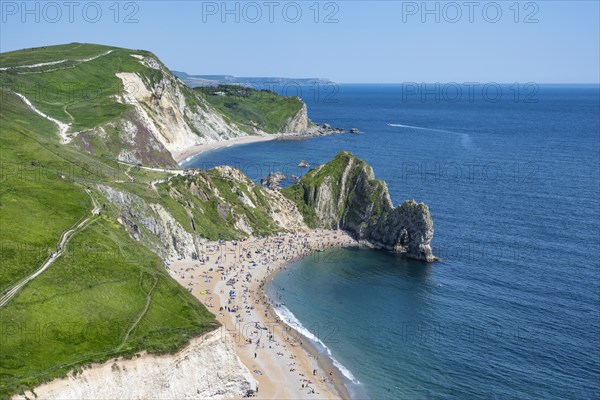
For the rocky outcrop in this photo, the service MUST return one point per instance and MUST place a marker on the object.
(208, 368)
(272, 180)
(218, 204)
(153, 225)
(344, 194)
(175, 116)
(313, 130)
(298, 122)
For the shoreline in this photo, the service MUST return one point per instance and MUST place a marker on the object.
(187, 154)
(325, 364)
(253, 349)
(190, 152)
(289, 367)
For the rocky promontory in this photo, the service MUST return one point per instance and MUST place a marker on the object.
(344, 194)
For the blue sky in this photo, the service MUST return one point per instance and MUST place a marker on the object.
(346, 41)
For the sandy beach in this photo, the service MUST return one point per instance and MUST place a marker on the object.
(230, 282)
(252, 352)
(182, 155)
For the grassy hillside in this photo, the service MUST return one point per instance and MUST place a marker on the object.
(81, 309)
(109, 293)
(36, 204)
(80, 93)
(251, 108)
(77, 84)
(90, 306)
(50, 54)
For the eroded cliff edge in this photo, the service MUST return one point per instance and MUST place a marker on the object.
(125, 104)
(344, 194)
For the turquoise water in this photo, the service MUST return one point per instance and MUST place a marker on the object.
(513, 308)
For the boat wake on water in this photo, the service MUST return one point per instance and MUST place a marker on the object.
(465, 138)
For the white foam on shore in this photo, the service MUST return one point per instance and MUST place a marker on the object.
(290, 319)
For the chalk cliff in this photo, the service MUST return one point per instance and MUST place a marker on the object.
(207, 368)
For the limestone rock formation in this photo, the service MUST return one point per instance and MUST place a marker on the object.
(344, 194)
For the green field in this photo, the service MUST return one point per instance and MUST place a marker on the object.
(36, 55)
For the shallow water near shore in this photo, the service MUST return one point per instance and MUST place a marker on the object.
(511, 311)
(378, 290)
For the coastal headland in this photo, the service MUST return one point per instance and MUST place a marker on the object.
(102, 228)
(252, 352)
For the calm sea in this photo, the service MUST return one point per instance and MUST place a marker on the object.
(512, 181)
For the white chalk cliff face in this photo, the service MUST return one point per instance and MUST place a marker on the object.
(169, 113)
(163, 109)
(298, 122)
(207, 368)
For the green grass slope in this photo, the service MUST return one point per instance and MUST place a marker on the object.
(250, 108)
(108, 294)
(89, 305)
(80, 93)
(51, 54)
